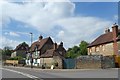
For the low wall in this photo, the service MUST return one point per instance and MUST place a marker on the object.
(12, 62)
(94, 62)
(59, 61)
(46, 61)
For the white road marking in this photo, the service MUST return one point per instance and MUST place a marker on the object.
(24, 74)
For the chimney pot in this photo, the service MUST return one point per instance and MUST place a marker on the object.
(107, 30)
(61, 43)
(55, 46)
(40, 37)
(115, 30)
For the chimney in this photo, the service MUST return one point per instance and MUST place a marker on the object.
(115, 34)
(61, 43)
(115, 31)
(55, 46)
(107, 30)
(40, 38)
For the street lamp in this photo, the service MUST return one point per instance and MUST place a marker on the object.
(31, 35)
(31, 58)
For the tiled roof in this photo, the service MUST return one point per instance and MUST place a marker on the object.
(22, 46)
(50, 53)
(39, 44)
(104, 38)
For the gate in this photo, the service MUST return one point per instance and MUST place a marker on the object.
(69, 63)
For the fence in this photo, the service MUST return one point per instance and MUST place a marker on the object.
(69, 63)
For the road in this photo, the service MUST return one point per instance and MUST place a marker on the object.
(74, 74)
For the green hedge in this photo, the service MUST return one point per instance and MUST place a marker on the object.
(16, 58)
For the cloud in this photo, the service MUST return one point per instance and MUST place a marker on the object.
(61, 33)
(44, 16)
(94, 0)
(8, 42)
(115, 17)
(41, 15)
(12, 34)
(80, 28)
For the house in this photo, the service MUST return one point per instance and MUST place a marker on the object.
(107, 43)
(20, 50)
(45, 51)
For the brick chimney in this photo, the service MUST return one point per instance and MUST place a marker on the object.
(115, 34)
(61, 44)
(55, 46)
(40, 38)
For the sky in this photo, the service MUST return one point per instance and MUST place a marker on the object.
(70, 22)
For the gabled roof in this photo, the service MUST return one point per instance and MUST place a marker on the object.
(61, 48)
(50, 53)
(22, 46)
(103, 39)
(39, 44)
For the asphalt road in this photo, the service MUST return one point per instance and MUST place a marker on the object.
(74, 74)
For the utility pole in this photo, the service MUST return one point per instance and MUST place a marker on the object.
(31, 35)
(31, 57)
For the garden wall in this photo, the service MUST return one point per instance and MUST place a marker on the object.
(95, 62)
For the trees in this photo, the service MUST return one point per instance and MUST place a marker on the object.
(6, 52)
(83, 47)
(77, 50)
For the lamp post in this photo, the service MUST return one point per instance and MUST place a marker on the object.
(31, 35)
(31, 58)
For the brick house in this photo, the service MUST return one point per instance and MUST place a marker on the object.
(45, 51)
(107, 43)
(20, 50)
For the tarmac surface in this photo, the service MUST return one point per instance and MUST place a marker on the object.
(62, 74)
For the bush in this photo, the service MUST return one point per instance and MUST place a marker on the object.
(16, 58)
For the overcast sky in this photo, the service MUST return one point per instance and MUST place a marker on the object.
(69, 22)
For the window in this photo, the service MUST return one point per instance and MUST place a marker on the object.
(97, 49)
(27, 61)
(35, 61)
(103, 47)
(90, 50)
(36, 53)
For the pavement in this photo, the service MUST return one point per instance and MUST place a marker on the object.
(56, 74)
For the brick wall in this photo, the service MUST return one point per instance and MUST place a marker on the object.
(59, 61)
(47, 61)
(118, 45)
(51, 61)
(105, 50)
(94, 62)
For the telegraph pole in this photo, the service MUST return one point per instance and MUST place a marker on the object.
(31, 58)
(31, 35)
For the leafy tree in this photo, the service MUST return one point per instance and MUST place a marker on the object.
(25, 44)
(7, 51)
(83, 47)
(77, 50)
(72, 52)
